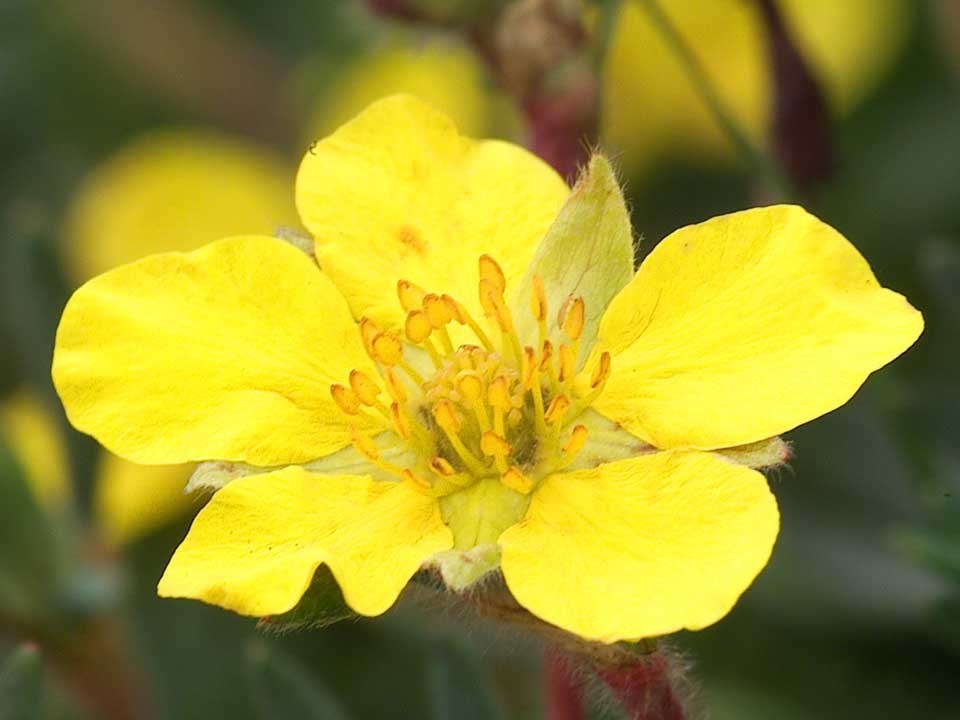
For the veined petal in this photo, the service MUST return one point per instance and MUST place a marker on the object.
(396, 193)
(745, 326)
(227, 353)
(641, 547)
(254, 548)
(133, 500)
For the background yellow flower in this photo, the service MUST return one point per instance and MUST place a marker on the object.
(651, 109)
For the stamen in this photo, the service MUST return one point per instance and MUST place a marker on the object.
(400, 421)
(546, 365)
(574, 318)
(387, 349)
(496, 446)
(395, 386)
(368, 331)
(514, 479)
(417, 326)
(345, 398)
(411, 296)
(557, 409)
(418, 483)
(491, 272)
(463, 316)
(575, 443)
(530, 374)
(448, 421)
(602, 371)
(365, 389)
(470, 387)
(442, 467)
(437, 310)
(366, 447)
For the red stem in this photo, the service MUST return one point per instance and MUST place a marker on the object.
(564, 699)
(644, 689)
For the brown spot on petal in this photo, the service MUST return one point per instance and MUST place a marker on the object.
(410, 238)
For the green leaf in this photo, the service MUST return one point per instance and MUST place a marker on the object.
(455, 684)
(283, 689)
(588, 251)
(21, 685)
(320, 606)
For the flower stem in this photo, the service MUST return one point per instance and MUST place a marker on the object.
(758, 161)
(644, 688)
(564, 699)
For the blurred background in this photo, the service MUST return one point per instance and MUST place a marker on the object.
(134, 126)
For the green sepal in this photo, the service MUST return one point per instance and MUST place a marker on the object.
(587, 252)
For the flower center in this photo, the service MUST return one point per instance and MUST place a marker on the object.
(490, 410)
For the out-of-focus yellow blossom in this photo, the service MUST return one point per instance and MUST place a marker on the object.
(442, 72)
(514, 395)
(173, 190)
(651, 108)
(30, 431)
(168, 190)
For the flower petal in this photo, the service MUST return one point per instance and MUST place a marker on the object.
(396, 193)
(745, 326)
(255, 547)
(227, 352)
(641, 547)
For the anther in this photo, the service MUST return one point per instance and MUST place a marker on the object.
(528, 368)
(395, 386)
(411, 296)
(417, 326)
(557, 409)
(400, 421)
(470, 385)
(576, 441)
(574, 318)
(368, 331)
(546, 357)
(442, 467)
(418, 483)
(491, 272)
(601, 372)
(364, 445)
(457, 311)
(494, 445)
(438, 311)
(567, 363)
(345, 398)
(514, 479)
(363, 387)
(387, 349)
(538, 300)
(498, 394)
(446, 416)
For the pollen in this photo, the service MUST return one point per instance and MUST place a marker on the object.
(492, 407)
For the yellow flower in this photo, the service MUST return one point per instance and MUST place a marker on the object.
(35, 442)
(651, 107)
(513, 394)
(166, 190)
(441, 72)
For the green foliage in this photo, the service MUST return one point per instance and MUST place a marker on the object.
(21, 685)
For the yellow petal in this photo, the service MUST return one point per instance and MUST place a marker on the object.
(30, 429)
(641, 547)
(396, 193)
(254, 548)
(174, 190)
(224, 353)
(745, 326)
(131, 500)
